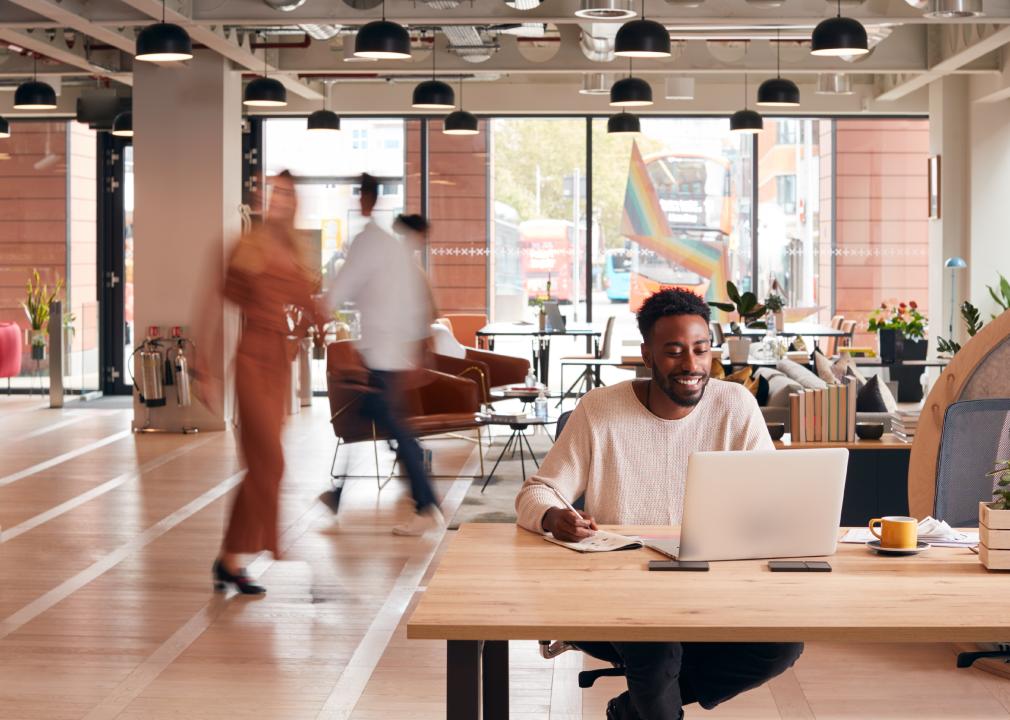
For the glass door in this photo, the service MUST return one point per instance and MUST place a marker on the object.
(116, 262)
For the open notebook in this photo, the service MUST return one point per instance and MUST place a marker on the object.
(600, 541)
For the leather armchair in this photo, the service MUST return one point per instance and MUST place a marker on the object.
(10, 351)
(435, 402)
(488, 369)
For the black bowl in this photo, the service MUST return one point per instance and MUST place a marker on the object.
(870, 430)
(776, 430)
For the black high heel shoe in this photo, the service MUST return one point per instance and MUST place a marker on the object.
(243, 583)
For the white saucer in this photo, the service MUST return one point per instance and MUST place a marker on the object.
(875, 545)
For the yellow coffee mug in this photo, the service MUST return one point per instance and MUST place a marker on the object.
(896, 532)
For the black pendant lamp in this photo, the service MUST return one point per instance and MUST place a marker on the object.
(265, 91)
(33, 94)
(324, 120)
(382, 40)
(163, 42)
(433, 94)
(630, 92)
(460, 122)
(778, 91)
(122, 126)
(642, 39)
(5, 128)
(623, 122)
(746, 121)
(839, 37)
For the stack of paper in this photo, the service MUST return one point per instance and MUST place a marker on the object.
(904, 424)
(933, 531)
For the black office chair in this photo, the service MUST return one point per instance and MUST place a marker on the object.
(976, 433)
(550, 650)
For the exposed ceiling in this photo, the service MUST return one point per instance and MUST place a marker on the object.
(512, 51)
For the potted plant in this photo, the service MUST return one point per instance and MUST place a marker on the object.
(36, 305)
(994, 520)
(749, 313)
(775, 304)
(901, 334)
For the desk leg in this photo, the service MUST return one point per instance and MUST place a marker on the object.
(496, 680)
(462, 686)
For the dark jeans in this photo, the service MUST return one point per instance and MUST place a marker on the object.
(385, 408)
(663, 677)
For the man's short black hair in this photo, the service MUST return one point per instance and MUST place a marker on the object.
(415, 222)
(671, 301)
(369, 186)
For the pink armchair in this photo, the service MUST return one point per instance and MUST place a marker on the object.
(10, 351)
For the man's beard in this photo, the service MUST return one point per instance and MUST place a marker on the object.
(670, 388)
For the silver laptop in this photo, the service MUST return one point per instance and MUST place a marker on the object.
(761, 504)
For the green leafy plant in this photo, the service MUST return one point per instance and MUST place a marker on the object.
(905, 318)
(973, 323)
(746, 306)
(1003, 297)
(774, 302)
(36, 304)
(1001, 493)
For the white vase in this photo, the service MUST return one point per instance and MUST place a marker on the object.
(739, 350)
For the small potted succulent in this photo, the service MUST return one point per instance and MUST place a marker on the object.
(994, 520)
(749, 312)
(775, 305)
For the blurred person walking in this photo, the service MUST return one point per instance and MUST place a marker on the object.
(382, 279)
(265, 276)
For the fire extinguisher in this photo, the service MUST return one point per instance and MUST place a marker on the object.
(182, 391)
(152, 390)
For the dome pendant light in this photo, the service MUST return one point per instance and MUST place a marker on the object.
(839, 37)
(746, 121)
(265, 91)
(433, 94)
(630, 92)
(163, 42)
(324, 120)
(122, 126)
(460, 122)
(623, 122)
(778, 91)
(5, 128)
(642, 39)
(382, 40)
(34, 95)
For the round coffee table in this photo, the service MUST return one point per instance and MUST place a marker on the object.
(516, 439)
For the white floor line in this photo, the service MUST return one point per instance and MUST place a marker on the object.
(59, 459)
(59, 593)
(75, 502)
(72, 420)
(154, 664)
(355, 676)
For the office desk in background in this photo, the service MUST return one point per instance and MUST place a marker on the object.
(497, 583)
(541, 340)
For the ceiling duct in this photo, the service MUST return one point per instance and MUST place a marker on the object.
(954, 8)
(285, 5)
(469, 43)
(597, 41)
(606, 9)
(525, 30)
(442, 4)
(321, 32)
(833, 84)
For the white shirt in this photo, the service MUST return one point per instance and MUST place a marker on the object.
(381, 278)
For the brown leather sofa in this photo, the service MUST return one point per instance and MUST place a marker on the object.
(436, 402)
(488, 369)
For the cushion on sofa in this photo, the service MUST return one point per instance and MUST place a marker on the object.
(875, 397)
(780, 386)
(800, 374)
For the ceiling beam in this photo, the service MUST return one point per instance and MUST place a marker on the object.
(58, 50)
(225, 45)
(71, 14)
(951, 63)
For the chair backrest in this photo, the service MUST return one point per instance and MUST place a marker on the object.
(465, 326)
(10, 349)
(562, 420)
(608, 334)
(718, 337)
(836, 322)
(975, 435)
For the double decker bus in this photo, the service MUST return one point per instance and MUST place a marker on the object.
(546, 253)
(697, 196)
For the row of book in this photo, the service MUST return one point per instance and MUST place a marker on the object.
(904, 424)
(827, 415)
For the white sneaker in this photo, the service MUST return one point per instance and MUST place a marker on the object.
(428, 519)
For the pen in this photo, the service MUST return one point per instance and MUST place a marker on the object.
(562, 499)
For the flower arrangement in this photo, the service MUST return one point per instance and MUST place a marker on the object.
(774, 302)
(905, 318)
(36, 305)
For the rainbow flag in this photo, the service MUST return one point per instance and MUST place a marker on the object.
(645, 222)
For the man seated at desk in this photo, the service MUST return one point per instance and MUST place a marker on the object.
(625, 449)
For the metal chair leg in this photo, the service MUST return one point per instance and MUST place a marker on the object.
(480, 451)
(966, 659)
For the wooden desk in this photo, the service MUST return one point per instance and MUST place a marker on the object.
(497, 583)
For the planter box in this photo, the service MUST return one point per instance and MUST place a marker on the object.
(993, 519)
(994, 559)
(994, 539)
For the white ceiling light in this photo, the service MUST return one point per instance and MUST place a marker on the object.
(679, 87)
(606, 9)
(954, 8)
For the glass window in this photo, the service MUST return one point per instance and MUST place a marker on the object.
(787, 132)
(786, 187)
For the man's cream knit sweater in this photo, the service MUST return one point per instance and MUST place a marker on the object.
(631, 464)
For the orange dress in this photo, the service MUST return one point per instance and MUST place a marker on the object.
(264, 276)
